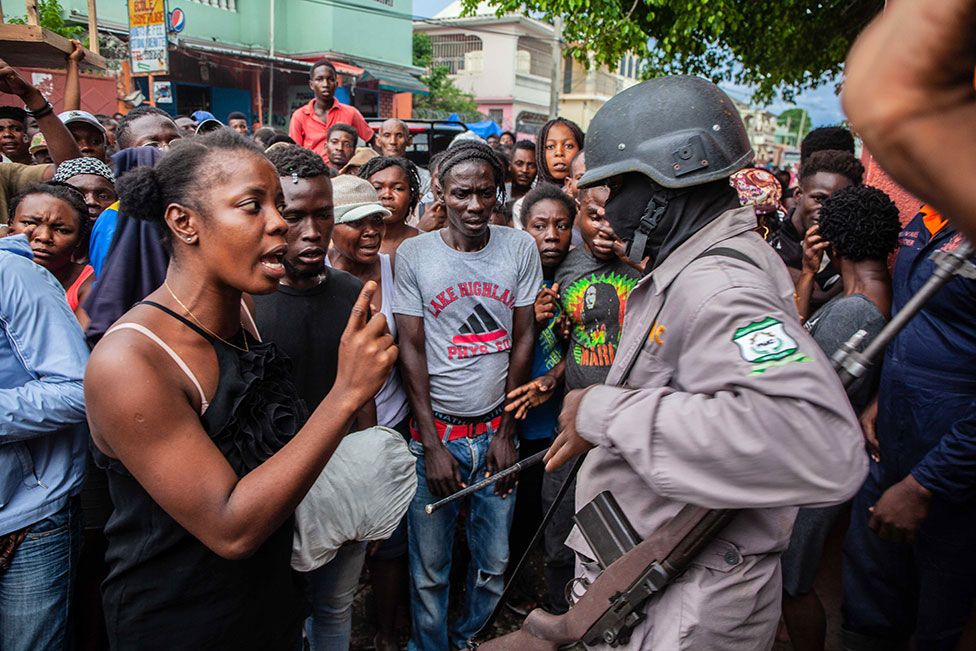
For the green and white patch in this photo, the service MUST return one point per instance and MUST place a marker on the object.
(766, 344)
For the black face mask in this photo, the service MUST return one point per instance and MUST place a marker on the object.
(670, 217)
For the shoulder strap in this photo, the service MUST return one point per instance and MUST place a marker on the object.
(189, 324)
(250, 319)
(169, 351)
(727, 252)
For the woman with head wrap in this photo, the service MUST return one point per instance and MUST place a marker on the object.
(93, 179)
(761, 189)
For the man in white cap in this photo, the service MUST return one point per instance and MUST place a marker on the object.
(88, 132)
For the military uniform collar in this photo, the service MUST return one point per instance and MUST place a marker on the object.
(729, 224)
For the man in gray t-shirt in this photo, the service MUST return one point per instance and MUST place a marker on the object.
(466, 301)
(464, 314)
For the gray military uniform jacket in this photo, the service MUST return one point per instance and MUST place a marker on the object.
(718, 397)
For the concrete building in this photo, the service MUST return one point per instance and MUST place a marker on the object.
(224, 60)
(761, 127)
(506, 62)
(587, 88)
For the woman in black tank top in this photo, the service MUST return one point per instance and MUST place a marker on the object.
(207, 445)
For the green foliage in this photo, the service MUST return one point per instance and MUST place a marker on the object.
(779, 47)
(50, 15)
(796, 121)
(444, 96)
(423, 50)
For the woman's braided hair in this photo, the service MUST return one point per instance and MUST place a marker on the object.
(380, 163)
(540, 151)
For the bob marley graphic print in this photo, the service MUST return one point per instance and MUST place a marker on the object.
(594, 298)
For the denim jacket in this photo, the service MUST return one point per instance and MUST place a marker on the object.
(43, 435)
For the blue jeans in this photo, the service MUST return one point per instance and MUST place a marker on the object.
(330, 591)
(35, 591)
(430, 540)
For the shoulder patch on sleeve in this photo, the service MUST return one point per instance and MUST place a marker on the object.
(766, 344)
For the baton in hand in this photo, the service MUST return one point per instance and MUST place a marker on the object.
(524, 463)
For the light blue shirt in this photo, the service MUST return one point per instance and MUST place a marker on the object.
(43, 435)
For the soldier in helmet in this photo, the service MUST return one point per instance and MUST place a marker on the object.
(717, 397)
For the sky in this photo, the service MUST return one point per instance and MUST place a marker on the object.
(822, 104)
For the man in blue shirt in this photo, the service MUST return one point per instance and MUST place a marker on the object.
(42, 451)
(909, 570)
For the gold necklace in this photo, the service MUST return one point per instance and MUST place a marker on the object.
(245, 349)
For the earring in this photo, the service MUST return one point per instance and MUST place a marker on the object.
(188, 238)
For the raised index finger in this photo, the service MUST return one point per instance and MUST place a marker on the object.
(360, 310)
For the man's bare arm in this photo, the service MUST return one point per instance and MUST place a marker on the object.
(915, 107)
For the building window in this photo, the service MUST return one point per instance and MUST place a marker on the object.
(496, 116)
(226, 5)
(451, 51)
(539, 53)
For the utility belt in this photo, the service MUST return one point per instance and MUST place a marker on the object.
(450, 428)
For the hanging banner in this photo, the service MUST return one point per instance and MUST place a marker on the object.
(148, 44)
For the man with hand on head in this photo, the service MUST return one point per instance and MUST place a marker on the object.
(14, 177)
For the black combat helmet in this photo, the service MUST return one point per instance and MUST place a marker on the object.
(679, 131)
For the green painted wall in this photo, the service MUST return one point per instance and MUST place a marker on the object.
(366, 28)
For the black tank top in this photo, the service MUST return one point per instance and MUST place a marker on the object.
(165, 589)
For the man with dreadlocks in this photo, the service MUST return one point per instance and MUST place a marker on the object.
(717, 397)
(463, 306)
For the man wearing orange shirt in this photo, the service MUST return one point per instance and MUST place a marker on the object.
(310, 124)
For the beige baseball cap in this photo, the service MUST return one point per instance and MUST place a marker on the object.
(354, 199)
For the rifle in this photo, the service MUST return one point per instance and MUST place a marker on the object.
(607, 614)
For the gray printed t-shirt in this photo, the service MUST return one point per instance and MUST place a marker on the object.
(467, 302)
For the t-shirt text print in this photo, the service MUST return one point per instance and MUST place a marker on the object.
(467, 302)
(480, 334)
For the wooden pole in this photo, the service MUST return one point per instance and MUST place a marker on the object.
(92, 28)
(1, 12)
(32, 17)
(152, 90)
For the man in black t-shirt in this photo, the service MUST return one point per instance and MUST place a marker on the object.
(305, 318)
(822, 174)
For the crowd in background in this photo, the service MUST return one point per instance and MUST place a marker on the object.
(148, 495)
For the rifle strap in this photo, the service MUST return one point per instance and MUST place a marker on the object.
(616, 579)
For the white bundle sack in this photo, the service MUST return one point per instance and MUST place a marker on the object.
(361, 494)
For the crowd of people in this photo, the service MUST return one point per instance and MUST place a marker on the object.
(196, 314)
